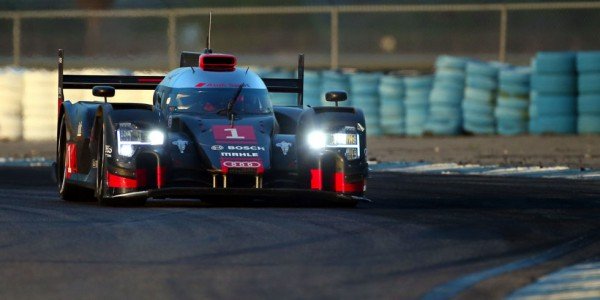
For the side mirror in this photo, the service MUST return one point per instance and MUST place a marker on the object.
(336, 96)
(103, 91)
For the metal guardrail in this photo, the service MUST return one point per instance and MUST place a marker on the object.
(333, 11)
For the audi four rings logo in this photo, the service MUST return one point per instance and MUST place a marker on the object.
(217, 147)
(241, 164)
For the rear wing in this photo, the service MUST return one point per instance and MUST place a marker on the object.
(67, 81)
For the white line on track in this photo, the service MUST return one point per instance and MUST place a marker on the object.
(581, 281)
(455, 287)
(25, 162)
(490, 170)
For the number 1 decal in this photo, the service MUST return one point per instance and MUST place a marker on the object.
(233, 134)
(240, 134)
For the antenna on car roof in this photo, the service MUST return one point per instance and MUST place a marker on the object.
(208, 49)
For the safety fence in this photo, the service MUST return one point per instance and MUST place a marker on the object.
(558, 94)
(357, 36)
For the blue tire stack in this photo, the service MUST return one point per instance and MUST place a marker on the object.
(312, 88)
(588, 102)
(553, 93)
(334, 81)
(364, 94)
(391, 104)
(480, 98)
(416, 103)
(445, 115)
(513, 101)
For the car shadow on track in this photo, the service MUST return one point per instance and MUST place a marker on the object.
(249, 203)
(253, 203)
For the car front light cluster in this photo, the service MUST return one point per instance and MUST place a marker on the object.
(349, 141)
(129, 137)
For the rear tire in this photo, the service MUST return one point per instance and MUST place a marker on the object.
(67, 191)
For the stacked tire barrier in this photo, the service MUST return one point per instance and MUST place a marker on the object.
(480, 98)
(364, 94)
(39, 105)
(511, 112)
(391, 105)
(553, 93)
(588, 85)
(334, 81)
(11, 85)
(559, 94)
(416, 103)
(445, 115)
(312, 88)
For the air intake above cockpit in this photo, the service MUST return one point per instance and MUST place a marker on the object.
(217, 62)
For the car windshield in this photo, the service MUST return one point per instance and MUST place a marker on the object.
(215, 100)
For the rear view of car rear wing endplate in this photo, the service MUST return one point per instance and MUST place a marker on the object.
(67, 81)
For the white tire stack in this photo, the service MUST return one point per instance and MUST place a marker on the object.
(11, 85)
(40, 101)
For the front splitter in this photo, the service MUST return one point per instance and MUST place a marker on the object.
(242, 193)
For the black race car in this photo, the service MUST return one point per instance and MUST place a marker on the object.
(211, 133)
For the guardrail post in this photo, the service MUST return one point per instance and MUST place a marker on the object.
(503, 28)
(16, 40)
(172, 41)
(335, 39)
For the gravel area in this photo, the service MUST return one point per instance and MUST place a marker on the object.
(572, 151)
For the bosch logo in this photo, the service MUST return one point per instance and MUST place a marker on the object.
(217, 147)
(246, 148)
(241, 164)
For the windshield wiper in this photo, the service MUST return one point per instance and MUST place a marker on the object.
(231, 102)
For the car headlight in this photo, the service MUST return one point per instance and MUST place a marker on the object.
(348, 141)
(156, 137)
(317, 139)
(130, 136)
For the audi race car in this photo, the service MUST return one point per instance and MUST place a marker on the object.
(211, 133)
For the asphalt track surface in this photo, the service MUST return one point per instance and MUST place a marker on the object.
(423, 236)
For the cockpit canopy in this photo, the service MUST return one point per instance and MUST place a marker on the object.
(206, 101)
(197, 91)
